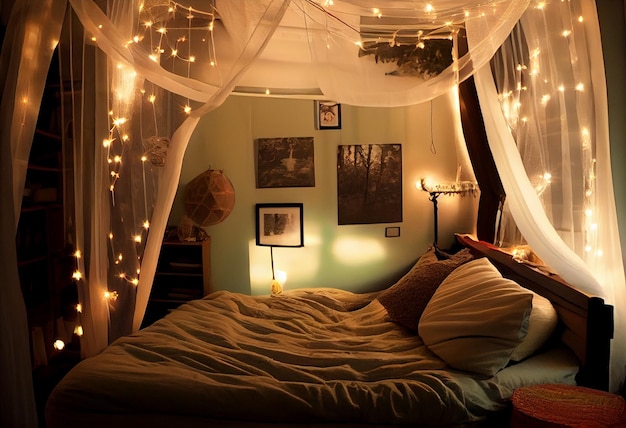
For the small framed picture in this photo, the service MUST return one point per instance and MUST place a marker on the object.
(392, 232)
(327, 115)
(280, 225)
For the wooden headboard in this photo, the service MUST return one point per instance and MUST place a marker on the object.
(586, 322)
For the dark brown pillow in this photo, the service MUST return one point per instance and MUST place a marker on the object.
(406, 299)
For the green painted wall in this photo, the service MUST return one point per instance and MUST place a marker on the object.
(352, 257)
(612, 16)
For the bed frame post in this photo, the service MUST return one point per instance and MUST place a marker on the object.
(600, 326)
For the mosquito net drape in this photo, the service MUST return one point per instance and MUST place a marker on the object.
(547, 115)
(162, 66)
(150, 69)
(31, 36)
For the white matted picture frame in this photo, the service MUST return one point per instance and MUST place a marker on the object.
(327, 115)
(280, 225)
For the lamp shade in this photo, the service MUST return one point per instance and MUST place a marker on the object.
(209, 198)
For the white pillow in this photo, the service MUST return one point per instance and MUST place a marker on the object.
(476, 318)
(541, 325)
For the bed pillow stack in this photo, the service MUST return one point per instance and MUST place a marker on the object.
(541, 324)
(406, 299)
(476, 318)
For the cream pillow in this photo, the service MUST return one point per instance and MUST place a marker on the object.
(406, 299)
(476, 318)
(541, 325)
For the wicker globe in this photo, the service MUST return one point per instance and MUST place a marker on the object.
(209, 198)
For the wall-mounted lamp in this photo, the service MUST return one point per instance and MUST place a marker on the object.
(279, 225)
(435, 190)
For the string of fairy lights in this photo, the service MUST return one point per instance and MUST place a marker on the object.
(179, 38)
(517, 106)
(168, 43)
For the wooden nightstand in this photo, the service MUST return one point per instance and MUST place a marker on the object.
(183, 273)
(553, 405)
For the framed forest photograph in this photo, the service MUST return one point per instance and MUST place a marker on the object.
(369, 184)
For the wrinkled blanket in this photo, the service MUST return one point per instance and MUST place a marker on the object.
(313, 355)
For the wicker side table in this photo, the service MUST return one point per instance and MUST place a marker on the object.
(552, 405)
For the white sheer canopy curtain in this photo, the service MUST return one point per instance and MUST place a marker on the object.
(546, 114)
(31, 36)
(167, 64)
(341, 49)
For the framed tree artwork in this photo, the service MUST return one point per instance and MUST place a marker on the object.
(369, 183)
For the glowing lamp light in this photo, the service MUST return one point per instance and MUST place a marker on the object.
(435, 190)
(78, 330)
(59, 345)
(519, 254)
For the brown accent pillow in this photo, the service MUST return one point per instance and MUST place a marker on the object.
(406, 299)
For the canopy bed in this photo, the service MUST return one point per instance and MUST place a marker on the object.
(326, 356)
(537, 109)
